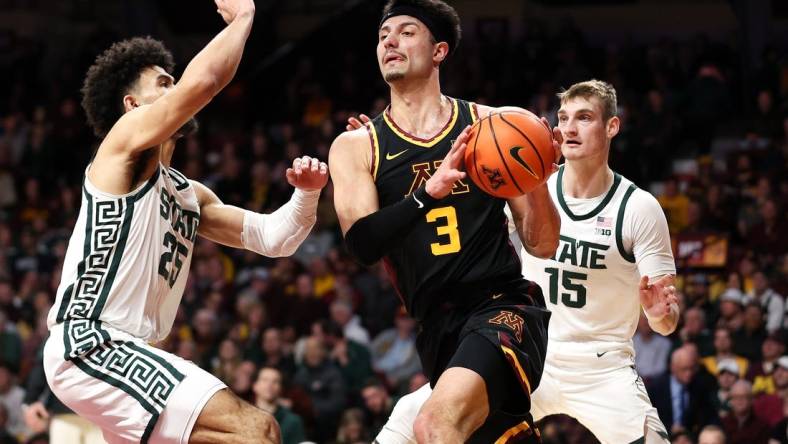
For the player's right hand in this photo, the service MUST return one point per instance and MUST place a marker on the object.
(450, 170)
(354, 123)
(230, 9)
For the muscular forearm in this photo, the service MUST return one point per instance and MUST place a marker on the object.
(217, 62)
(540, 225)
(373, 236)
(667, 324)
(281, 232)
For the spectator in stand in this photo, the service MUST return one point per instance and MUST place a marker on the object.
(351, 428)
(723, 349)
(742, 426)
(352, 358)
(773, 408)
(728, 374)
(394, 351)
(323, 382)
(272, 353)
(675, 204)
(695, 331)
(711, 434)
(766, 237)
(747, 341)
(772, 303)
(10, 343)
(683, 401)
(267, 391)
(378, 403)
(731, 309)
(652, 351)
(761, 373)
(12, 397)
(305, 308)
(342, 314)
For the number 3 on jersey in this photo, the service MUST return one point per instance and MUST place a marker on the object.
(567, 282)
(448, 227)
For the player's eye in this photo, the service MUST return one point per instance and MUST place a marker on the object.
(407, 33)
(383, 37)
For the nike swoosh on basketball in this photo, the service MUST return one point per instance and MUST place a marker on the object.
(515, 152)
(496, 296)
(599, 355)
(390, 156)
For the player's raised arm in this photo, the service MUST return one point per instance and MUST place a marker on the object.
(274, 235)
(147, 125)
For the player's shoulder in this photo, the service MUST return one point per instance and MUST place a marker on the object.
(639, 203)
(351, 147)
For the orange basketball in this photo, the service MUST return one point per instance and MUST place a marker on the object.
(509, 153)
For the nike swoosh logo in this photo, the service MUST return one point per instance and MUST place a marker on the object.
(496, 296)
(599, 355)
(515, 152)
(421, 205)
(390, 156)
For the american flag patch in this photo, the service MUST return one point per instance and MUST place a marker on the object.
(604, 222)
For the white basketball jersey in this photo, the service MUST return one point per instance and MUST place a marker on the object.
(591, 284)
(127, 262)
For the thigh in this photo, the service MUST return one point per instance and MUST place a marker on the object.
(613, 405)
(226, 418)
(121, 387)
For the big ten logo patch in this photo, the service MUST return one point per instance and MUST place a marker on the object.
(511, 320)
(423, 171)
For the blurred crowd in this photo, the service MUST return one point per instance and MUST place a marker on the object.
(322, 342)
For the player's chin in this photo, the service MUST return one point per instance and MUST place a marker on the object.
(394, 75)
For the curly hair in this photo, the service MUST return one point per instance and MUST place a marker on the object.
(442, 13)
(114, 73)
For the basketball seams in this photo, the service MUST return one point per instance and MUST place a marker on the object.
(503, 159)
(530, 142)
(476, 164)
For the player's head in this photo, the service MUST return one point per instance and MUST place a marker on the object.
(415, 37)
(587, 119)
(130, 73)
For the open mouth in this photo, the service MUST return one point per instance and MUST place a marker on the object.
(393, 58)
(572, 143)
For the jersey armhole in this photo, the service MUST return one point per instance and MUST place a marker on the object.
(374, 150)
(629, 257)
(474, 112)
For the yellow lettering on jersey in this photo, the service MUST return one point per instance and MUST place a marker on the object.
(423, 171)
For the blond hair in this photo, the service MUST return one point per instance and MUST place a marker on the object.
(593, 88)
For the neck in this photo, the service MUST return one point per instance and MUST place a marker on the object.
(266, 406)
(418, 107)
(587, 178)
(166, 151)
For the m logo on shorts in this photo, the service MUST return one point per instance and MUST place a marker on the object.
(511, 320)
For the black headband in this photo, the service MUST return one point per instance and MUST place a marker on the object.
(439, 28)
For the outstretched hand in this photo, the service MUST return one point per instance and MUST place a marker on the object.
(230, 9)
(450, 169)
(657, 297)
(307, 174)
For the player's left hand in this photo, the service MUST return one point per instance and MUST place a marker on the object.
(307, 174)
(558, 139)
(657, 297)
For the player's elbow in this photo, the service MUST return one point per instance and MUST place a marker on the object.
(544, 249)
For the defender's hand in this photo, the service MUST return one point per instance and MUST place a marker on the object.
(656, 298)
(558, 139)
(230, 9)
(36, 417)
(450, 169)
(354, 123)
(307, 174)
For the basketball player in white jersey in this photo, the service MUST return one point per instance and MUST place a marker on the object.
(614, 257)
(128, 258)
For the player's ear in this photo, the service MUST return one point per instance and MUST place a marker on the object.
(441, 52)
(613, 125)
(129, 102)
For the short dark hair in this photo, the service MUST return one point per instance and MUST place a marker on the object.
(112, 75)
(438, 10)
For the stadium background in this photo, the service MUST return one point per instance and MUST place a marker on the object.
(703, 95)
